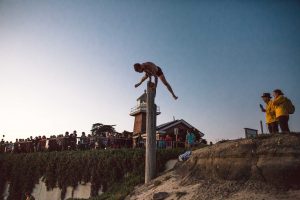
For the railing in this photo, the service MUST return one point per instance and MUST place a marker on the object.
(162, 144)
(142, 108)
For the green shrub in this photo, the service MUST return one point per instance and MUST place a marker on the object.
(115, 171)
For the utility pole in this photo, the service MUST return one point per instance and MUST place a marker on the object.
(150, 162)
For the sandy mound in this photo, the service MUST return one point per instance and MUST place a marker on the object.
(264, 168)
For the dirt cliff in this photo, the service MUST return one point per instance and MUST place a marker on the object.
(264, 168)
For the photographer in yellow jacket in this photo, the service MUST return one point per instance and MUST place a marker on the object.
(270, 113)
(281, 110)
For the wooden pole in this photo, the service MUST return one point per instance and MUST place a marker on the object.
(150, 162)
(261, 127)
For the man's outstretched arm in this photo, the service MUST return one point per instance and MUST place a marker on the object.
(142, 80)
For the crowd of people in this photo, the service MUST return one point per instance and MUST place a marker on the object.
(65, 142)
(277, 111)
(87, 142)
(167, 141)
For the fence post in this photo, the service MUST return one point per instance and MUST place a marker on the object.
(261, 127)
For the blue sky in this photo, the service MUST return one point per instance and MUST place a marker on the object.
(65, 65)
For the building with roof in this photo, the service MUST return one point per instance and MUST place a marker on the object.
(177, 129)
(139, 114)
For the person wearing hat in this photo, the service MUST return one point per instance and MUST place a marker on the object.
(270, 113)
(281, 111)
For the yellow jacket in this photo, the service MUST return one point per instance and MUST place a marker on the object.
(280, 106)
(270, 112)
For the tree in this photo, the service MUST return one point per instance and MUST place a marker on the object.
(99, 129)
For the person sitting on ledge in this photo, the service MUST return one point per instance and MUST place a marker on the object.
(150, 70)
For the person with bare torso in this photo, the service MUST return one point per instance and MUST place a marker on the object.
(150, 69)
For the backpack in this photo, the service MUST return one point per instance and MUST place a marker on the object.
(186, 155)
(289, 106)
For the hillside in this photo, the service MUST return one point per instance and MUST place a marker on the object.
(264, 168)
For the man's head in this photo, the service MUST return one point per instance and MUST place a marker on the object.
(277, 93)
(266, 97)
(138, 67)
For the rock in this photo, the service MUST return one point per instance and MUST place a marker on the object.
(248, 169)
(160, 195)
(260, 159)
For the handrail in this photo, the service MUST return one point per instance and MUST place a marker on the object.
(142, 107)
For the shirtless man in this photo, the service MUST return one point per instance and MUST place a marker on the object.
(150, 70)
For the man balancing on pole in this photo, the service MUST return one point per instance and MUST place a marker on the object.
(150, 70)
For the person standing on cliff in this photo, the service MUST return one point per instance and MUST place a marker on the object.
(150, 69)
(270, 113)
(282, 109)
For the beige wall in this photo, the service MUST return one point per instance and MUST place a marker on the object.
(40, 192)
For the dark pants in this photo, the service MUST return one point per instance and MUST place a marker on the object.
(273, 127)
(283, 123)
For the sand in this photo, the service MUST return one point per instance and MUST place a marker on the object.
(176, 188)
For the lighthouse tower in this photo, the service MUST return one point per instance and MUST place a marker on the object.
(139, 114)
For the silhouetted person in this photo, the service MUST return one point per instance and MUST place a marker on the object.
(190, 139)
(16, 147)
(66, 142)
(270, 113)
(83, 141)
(60, 142)
(52, 143)
(43, 142)
(150, 70)
(29, 196)
(168, 140)
(2, 146)
(140, 141)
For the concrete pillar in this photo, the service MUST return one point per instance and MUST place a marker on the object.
(150, 162)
